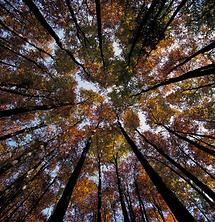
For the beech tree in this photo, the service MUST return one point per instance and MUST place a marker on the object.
(107, 110)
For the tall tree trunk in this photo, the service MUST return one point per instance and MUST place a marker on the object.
(130, 208)
(180, 212)
(137, 33)
(141, 204)
(124, 210)
(201, 185)
(203, 71)
(99, 28)
(99, 217)
(22, 110)
(186, 180)
(62, 205)
(199, 146)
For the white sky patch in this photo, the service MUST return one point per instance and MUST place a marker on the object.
(81, 83)
(117, 49)
(143, 125)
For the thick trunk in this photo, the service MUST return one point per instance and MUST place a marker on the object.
(42, 21)
(178, 209)
(62, 205)
(194, 179)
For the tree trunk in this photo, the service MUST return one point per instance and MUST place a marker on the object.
(130, 208)
(99, 218)
(201, 185)
(62, 205)
(203, 71)
(141, 204)
(124, 210)
(178, 209)
(199, 146)
(22, 110)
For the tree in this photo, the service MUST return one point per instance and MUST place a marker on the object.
(107, 110)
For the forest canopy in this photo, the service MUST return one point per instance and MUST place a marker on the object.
(107, 110)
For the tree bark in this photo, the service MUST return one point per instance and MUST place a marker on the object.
(124, 210)
(137, 34)
(99, 28)
(178, 209)
(141, 204)
(199, 146)
(63, 203)
(99, 217)
(203, 71)
(201, 185)
(22, 110)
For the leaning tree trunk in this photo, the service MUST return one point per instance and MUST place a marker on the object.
(62, 205)
(178, 209)
(197, 145)
(189, 175)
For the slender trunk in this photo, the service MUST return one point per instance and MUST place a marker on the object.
(181, 213)
(201, 51)
(25, 57)
(22, 110)
(160, 212)
(140, 202)
(19, 160)
(199, 146)
(183, 2)
(38, 200)
(16, 187)
(124, 210)
(27, 129)
(62, 205)
(201, 185)
(203, 71)
(130, 208)
(99, 217)
(200, 166)
(140, 27)
(186, 180)
(24, 39)
(141, 205)
(8, 215)
(99, 28)
(38, 15)
(114, 211)
(78, 28)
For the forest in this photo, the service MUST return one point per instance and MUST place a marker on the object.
(107, 110)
